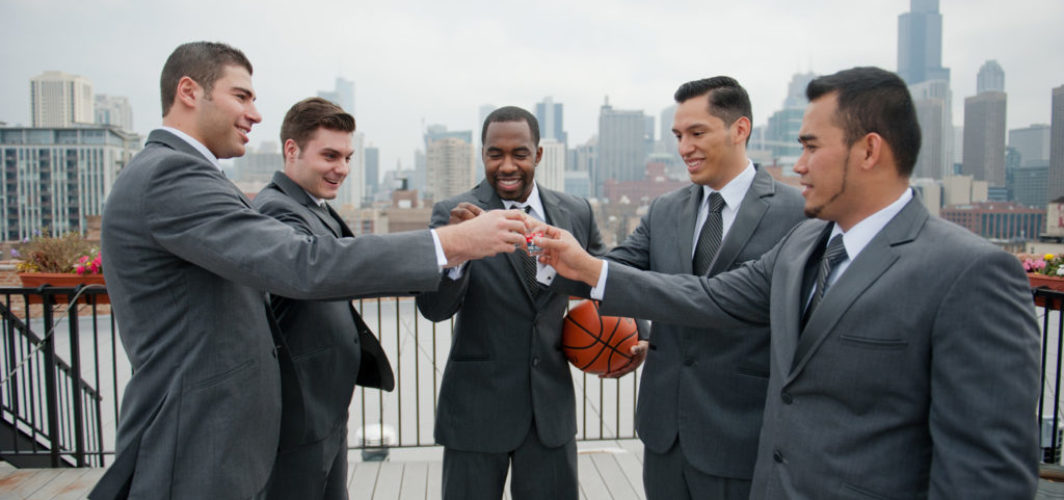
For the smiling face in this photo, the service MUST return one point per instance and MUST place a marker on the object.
(321, 166)
(224, 118)
(510, 159)
(714, 152)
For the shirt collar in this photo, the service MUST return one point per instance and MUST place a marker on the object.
(196, 144)
(533, 201)
(735, 190)
(858, 237)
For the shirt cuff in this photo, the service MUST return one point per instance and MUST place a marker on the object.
(441, 258)
(455, 273)
(600, 289)
(545, 274)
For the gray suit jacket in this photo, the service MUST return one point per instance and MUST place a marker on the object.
(187, 260)
(331, 347)
(916, 377)
(506, 367)
(707, 385)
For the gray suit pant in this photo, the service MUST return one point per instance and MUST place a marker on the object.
(312, 471)
(669, 476)
(538, 472)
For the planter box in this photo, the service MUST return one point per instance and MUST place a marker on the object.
(61, 280)
(1044, 281)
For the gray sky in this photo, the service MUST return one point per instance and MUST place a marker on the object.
(425, 62)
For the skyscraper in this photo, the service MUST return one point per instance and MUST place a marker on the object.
(373, 168)
(1032, 143)
(933, 102)
(991, 78)
(621, 147)
(550, 173)
(984, 137)
(781, 134)
(1056, 146)
(920, 43)
(551, 118)
(353, 192)
(342, 95)
(449, 167)
(114, 110)
(59, 99)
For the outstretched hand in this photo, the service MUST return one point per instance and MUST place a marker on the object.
(483, 235)
(560, 250)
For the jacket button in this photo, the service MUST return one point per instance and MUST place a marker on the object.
(274, 352)
(777, 455)
(787, 398)
(689, 362)
(535, 361)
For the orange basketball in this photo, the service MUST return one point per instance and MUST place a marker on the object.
(597, 344)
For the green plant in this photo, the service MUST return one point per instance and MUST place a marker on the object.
(69, 253)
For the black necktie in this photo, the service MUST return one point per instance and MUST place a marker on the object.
(530, 266)
(835, 254)
(710, 236)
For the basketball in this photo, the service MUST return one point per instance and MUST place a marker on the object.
(597, 344)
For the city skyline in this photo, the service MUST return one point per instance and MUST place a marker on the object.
(428, 63)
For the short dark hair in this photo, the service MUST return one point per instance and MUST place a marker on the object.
(873, 100)
(511, 114)
(727, 99)
(203, 62)
(305, 117)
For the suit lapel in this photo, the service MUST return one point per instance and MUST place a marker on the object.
(297, 193)
(751, 210)
(686, 227)
(785, 330)
(870, 264)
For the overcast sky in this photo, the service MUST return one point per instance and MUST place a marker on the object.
(426, 62)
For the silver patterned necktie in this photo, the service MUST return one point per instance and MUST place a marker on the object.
(710, 236)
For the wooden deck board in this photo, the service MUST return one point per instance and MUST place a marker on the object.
(608, 470)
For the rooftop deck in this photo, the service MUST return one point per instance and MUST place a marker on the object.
(608, 470)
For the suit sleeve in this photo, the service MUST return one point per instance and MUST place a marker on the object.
(193, 213)
(984, 384)
(733, 299)
(447, 299)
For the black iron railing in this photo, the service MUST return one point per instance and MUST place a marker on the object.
(50, 415)
(63, 370)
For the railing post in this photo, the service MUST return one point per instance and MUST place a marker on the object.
(77, 391)
(51, 394)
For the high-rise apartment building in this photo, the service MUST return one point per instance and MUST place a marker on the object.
(984, 132)
(59, 99)
(53, 178)
(353, 191)
(1056, 146)
(621, 146)
(920, 43)
(551, 118)
(932, 100)
(113, 110)
(449, 167)
(780, 136)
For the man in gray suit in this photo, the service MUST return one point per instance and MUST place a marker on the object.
(904, 348)
(330, 345)
(507, 395)
(703, 389)
(187, 261)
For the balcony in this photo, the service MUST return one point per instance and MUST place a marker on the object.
(63, 372)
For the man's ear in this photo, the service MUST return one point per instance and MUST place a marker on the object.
(187, 92)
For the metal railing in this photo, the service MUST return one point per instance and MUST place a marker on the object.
(50, 415)
(63, 373)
